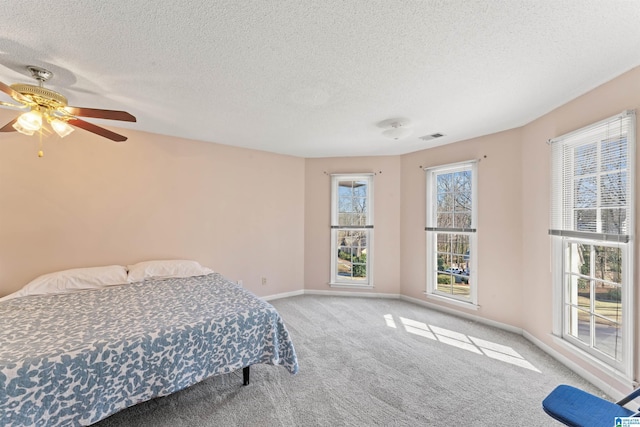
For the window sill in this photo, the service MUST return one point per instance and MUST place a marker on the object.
(349, 285)
(455, 302)
(594, 362)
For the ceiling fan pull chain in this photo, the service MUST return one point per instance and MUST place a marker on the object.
(40, 150)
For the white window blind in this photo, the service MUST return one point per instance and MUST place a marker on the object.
(591, 180)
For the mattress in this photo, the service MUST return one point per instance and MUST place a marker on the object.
(76, 358)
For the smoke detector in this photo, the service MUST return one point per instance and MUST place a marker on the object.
(395, 128)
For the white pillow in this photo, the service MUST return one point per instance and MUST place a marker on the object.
(164, 269)
(73, 280)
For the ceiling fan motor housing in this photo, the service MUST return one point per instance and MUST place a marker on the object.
(41, 96)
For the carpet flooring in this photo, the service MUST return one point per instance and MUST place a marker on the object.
(374, 362)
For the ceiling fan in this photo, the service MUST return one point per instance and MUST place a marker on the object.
(50, 106)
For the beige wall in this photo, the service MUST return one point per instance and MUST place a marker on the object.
(607, 100)
(513, 244)
(93, 202)
(499, 221)
(386, 250)
(250, 214)
(514, 268)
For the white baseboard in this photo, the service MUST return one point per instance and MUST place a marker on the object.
(330, 293)
(284, 295)
(579, 370)
(351, 294)
(459, 313)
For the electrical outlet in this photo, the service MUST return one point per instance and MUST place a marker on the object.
(240, 283)
(264, 281)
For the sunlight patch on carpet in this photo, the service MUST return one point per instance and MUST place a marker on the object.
(388, 318)
(490, 349)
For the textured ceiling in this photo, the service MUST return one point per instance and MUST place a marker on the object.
(313, 78)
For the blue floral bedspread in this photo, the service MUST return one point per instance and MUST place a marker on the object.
(74, 359)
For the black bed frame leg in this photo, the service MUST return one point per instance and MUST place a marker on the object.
(245, 375)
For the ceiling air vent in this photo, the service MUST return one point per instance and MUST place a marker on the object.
(432, 136)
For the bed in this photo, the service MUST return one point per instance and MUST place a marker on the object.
(75, 358)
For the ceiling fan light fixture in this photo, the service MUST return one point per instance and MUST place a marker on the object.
(61, 127)
(395, 128)
(22, 130)
(30, 121)
(397, 132)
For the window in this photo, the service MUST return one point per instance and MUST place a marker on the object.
(351, 230)
(592, 231)
(451, 231)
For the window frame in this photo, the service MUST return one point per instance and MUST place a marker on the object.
(567, 304)
(564, 232)
(432, 230)
(337, 280)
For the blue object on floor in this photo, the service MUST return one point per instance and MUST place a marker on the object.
(574, 407)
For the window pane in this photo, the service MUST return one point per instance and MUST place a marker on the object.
(614, 155)
(461, 287)
(614, 221)
(454, 204)
(462, 220)
(352, 254)
(607, 263)
(352, 197)
(463, 201)
(445, 220)
(347, 219)
(345, 204)
(608, 301)
(594, 296)
(360, 189)
(445, 283)
(608, 337)
(443, 255)
(586, 220)
(453, 264)
(443, 251)
(462, 182)
(584, 156)
(613, 187)
(586, 195)
(454, 284)
(444, 183)
(359, 204)
(459, 244)
(458, 263)
(445, 202)
(579, 292)
(580, 325)
(579, 258)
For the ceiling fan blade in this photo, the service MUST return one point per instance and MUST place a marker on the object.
(9, 126)
(14, 94)
(97, 130)
(100, 114)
